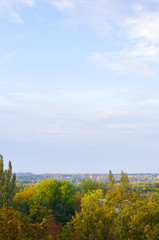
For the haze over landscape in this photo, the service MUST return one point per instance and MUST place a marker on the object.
(79, 88)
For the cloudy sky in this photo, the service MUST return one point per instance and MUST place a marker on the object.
(79, 85)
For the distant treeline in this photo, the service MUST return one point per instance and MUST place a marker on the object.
(77, 178)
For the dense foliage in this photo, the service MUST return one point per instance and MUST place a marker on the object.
(7, 183)
(91, 210)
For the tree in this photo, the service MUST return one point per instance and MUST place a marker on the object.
(67, 232)
(39, 224)
(125, 182)
(78, 202)
(138, 219)
(91, 185)
(25, 194)
(48, 193)
(58, 196)
(54, 228)
(91, 223)
(9, 223)
(111, 179)
(7, 183)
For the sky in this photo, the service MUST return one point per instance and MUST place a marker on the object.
(79, 85)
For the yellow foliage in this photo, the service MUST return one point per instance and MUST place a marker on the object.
(9, 223)
(24, 194)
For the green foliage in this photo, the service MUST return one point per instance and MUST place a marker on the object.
(145, 187)
(7, 183)
(20, 185)
(67, 232)
(90, 185)
(48, 192)
(37, 213)
(124, 179)
(57, 196)
(111, 179)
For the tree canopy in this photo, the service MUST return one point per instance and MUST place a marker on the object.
(7, 183)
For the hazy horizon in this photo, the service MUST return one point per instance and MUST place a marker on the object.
(93, 173)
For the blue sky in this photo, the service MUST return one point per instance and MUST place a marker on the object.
(79, 88)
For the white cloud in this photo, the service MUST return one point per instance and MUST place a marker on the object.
(141, 50)
(136, 22)
(139, 58)
(145, 26)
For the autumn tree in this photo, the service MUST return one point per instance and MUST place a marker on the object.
(54, 228)
(22, 199)
(78, 202)
(130, 216)
(39, 224)
(9, 223)
(25, 194)
(137, 220)
(91, 223)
